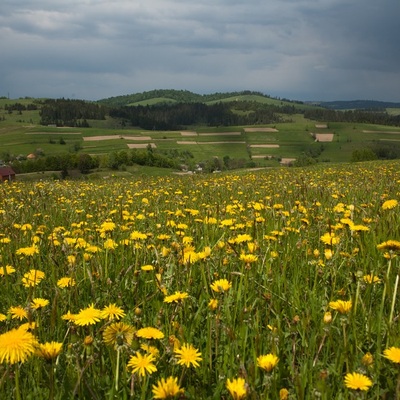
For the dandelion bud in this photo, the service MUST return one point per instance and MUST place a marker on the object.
(367, 359)
(327, 317)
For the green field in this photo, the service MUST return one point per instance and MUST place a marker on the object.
(273, 284)
(21, 134)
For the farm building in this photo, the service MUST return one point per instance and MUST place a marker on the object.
(7, 174)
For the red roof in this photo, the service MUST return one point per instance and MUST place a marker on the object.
(6, 171)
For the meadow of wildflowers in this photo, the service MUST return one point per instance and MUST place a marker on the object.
(275, 284)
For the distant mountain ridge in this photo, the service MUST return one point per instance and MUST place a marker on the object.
(357, 104)
(182, 96)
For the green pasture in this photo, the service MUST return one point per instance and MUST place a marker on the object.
(21, 134)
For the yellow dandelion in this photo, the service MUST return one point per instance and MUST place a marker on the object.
(147, 267)
(357, 381)
(330, 239)
(188, 355)
(66, 282)
(149, 333)
(370, 279)
(112, 311)
(16, 346)
(142, 364)
(87, 316)
(110, 244)
(27, 251)
(248, 258)
(267, 362)
(7, 270)
(341, 306)
(283, 394)
(33, 278)
(69, 317)
(176, 297)
(389, 204)
(49, 350)
(389, 245)
(221, 285)
(236, 388)
(213, 304)
(150, 349)
(166, 388)
(118, 334)
(38, 303)
(3, 317)
(392, 354)
(18, 313)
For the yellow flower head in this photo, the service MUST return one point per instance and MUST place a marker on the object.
(49, 350)
(33, 278)
(357, 381)
(111, 312)
(389, 204)
(392, 354)
(18, 313)
(389, 245)
(149, 333)
(176, 297)
(267, 362)
(221, 285)
(16, 346)
(7, 270)
(66, 282)
(88, 316)
(142, 364)
(39, 303)
(166, 388)
(188, 355)
(371, 279)
(118, 334)
(341, 306)
(236, 388)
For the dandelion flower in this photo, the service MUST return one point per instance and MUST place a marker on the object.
(370, 279)
(27, 251)
(88, 316)
(389, 245)
(118, 334)
(16, 346)
(213, 304)
(166, 388)
(147, 267)
(49, 350)
(176, 297)
(188, 355)
(267, 362)
(327, 317)
(7, 270)
(389, 204)
(341, 306)
(248, 258)
(33, 278)
(3, 317)
(111, 312)
(149, 333)
(150, 349)
(357, 381)
(392, 354)
(142, 364)
(39, 303)
(69, 316)
(237, 388)
(66, 282)
(18, 313)
(221, 285)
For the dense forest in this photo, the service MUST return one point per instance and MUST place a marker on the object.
(186, 109)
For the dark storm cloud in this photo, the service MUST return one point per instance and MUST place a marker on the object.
(303, 49)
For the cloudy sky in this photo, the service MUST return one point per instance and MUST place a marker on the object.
(297, 49)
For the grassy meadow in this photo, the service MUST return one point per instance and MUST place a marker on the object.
(22, 134)
(275, 284)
